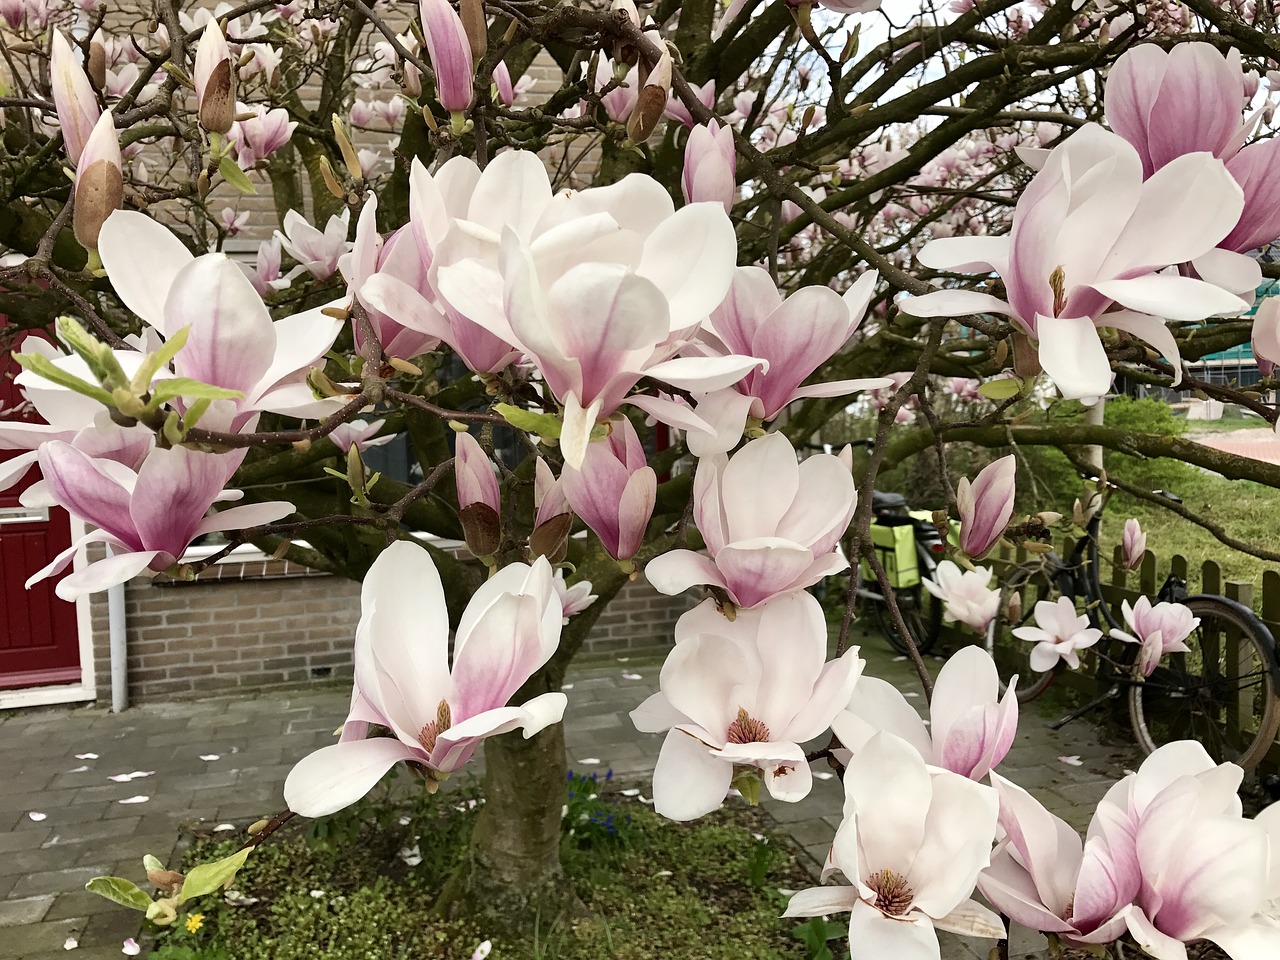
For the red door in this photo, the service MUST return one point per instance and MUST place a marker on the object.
(39, 642)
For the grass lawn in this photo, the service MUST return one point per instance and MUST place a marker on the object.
(652, 888)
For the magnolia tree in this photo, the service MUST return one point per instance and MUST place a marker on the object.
(611, 382)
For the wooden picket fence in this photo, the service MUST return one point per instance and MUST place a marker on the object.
(1263, 597)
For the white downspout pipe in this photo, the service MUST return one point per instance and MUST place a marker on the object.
(119, 661)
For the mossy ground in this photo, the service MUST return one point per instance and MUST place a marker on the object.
(652, 888)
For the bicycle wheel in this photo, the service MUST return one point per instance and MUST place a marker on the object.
(1222, 693)
(924, 623)
(1024, 587)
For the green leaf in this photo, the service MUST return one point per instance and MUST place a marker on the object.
(191, 389)
(543, 424)
(152, 863)
(155, 361)
(1002, 388)
(208, 877)
(42, 365)
(232, 173)
(99, 357)
(121, 891)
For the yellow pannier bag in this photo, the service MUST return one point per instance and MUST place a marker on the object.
(895, 541)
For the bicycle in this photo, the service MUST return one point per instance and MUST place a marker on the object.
(1222, 693)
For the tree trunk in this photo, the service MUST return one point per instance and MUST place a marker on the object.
(512, 874)
(512, 877)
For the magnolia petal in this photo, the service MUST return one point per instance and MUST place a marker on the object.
(874, 936)
(1152, 941)
(143, 259)
(953, 303)
(704, 373)
(966, 255)
(842, 388)
(688, 781)
(1073, 357)
(1151, 329)
(1235, 272)
(678, 415)
(243, 517)
(678, 570)
(756, 570)
(656, 715)
(575, 434)
(1172, 297)
(336, 776)
(104, 573)
(972, 919)
(890, 790)
(691, 256)
(821, 901)
(231, 339)
(877, 705)
(725, 411)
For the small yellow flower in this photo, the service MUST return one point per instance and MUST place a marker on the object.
(194, 922)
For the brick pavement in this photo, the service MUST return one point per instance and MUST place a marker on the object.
(87, 830)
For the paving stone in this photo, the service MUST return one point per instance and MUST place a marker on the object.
(57, 881)
(37, 938)
(17, 913)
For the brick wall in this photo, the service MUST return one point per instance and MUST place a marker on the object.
(262, 623)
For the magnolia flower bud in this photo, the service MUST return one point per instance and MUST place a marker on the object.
(623, 51)
(710, 166)
(985, 506)
(99, 184)
(72, 97)
(215, 80)
(477, 28)
(449, 49)
(479, 498)
(652, 100)
(97, 65)
(1134, 544)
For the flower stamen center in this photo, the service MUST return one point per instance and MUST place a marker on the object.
(428, 734)
(893, 893)
(747, 729)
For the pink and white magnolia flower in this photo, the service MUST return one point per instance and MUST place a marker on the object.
(1059, 635)
(1169, 103)
(148, 517)
(265, 273)
(986, 505)
(1204, 868)
(575, 599)
(1134, 544)
(912, 843)
(397, 257)
(259, 136)
(676, 110)
(73, 97)
(971, 727)
(614, 490)
(710, 166)
(232, 342)
(599, 288)
(966, 595)
(795, 336)
(363, 434)
(621, 100)
(732, 696)
(317, 251)
(450, 54)
(1043, 877)
(405, 291)
(1090, 235)
(1160, 629)
(1266, 334)
(770, 524)
(437, 714)
(549, 499)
